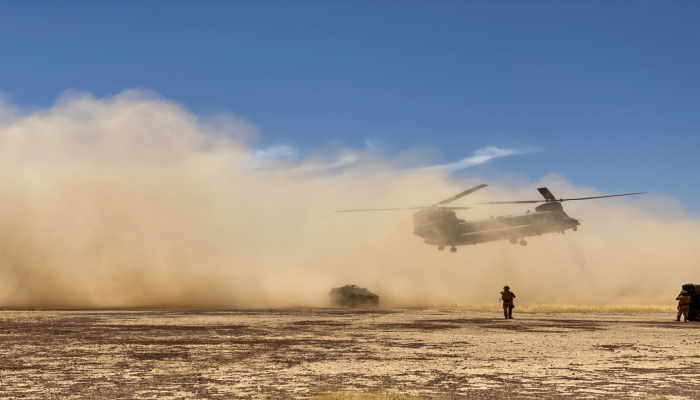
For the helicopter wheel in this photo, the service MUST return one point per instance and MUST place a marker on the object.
(453, 249)
(441, 248)
(513, 241)
(523, 242)
(575, 228)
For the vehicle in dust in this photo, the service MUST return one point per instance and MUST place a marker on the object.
(352, 296)
(438, 224)
(694, 310)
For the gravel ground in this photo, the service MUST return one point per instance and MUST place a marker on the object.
(299, 353)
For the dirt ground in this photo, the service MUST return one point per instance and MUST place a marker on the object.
(300, 353)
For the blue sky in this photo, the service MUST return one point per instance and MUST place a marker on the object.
(608, 93)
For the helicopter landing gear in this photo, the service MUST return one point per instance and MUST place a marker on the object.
(575, 228)
(453, 249)
(441, 248)
(513, 241)
(523, 242)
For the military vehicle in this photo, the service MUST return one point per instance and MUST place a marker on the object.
(438, 224)
(694, 309)
(352, 296)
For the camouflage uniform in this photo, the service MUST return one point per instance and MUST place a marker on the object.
(683, 306)
(507, 298)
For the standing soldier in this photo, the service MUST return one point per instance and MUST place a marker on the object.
(507, 298)
(683, 305)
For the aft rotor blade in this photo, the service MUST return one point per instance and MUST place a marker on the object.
(560, 200)
(454, 208)
(380, 209)
(460, 195)
(602, 197)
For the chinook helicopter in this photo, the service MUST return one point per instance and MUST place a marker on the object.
(438, 224)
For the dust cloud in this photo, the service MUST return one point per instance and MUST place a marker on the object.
(132, 201)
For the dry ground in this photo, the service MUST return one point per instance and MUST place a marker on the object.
(302, 353)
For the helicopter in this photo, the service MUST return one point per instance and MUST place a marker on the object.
(439, 225)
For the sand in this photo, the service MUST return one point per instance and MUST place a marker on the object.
(301, 353)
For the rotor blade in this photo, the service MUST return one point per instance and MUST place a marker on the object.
(380, 209)
(601, 197)
(460, 195)
(546, 194)
(515, 202)
(560, 200)
(454, 208)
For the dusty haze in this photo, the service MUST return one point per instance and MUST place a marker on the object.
(133, 201)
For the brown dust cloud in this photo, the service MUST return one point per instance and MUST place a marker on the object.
(133, 201)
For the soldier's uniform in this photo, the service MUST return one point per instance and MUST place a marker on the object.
(683, 306)
(507, 297)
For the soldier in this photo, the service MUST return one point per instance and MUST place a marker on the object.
(507, 298)
(683, 306)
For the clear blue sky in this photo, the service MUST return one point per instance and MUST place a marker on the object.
(608, 91)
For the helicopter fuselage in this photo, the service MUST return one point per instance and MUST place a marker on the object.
(442, 227)
(439, 225)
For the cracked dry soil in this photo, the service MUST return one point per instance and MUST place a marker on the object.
(297, 353)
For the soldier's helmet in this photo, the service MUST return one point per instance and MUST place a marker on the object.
(506, 287)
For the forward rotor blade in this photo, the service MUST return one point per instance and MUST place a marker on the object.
(514, 202)
(460, 195)
(454, 208)
(601, 197)
(380, 209)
